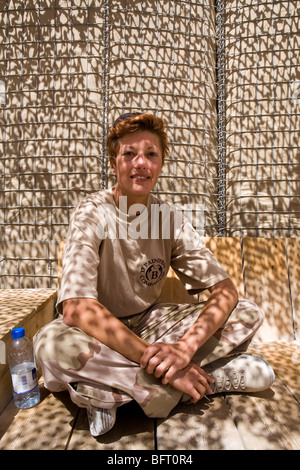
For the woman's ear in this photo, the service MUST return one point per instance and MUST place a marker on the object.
(112, 162)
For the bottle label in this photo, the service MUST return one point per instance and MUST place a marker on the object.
(24, 382)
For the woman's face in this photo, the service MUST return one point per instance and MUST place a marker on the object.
(137, 166)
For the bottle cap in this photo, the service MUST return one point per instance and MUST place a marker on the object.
(18, 332)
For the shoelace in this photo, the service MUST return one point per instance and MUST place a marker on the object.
(226, 379)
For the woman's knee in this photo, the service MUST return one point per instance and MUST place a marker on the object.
(249, 313)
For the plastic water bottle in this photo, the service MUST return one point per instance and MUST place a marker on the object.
(26, 390)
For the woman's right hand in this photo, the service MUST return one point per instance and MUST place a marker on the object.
(194, 381)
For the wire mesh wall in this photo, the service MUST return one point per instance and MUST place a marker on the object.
(223, 75)
(262, 77)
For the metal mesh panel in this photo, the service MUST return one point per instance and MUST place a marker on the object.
(50, 129)
(162, 59)
(223, 76)
(68, 69)
(262, 44)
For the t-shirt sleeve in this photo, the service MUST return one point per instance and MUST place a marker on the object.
(81, 256)
(195, 265)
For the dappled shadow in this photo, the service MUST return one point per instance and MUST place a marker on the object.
(293, 257)
(267, 421)
(133, 430)
(262, 119)
(16, 305)
(45, 426)
(262, 420)
(267, 272)
(228, 252)
(284, 357)
(60, 100)
(187, 427)
(52, 129)
(270, 419)
(195, 426)
(267, 284)
(156, 64)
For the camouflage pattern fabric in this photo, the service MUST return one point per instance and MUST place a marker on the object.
(106, 379)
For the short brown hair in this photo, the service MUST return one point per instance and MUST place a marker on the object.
(134, 122)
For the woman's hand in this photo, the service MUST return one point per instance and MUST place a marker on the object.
(164, 360)
(172, 363)
(194, 381)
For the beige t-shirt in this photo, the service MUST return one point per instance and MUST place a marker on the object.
(122, 260)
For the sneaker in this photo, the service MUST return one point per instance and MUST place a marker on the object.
(240, 373)
(100, 420)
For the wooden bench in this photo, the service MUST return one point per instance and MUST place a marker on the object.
(30, 308)
(264, 270)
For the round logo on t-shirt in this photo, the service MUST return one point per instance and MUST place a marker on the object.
(153, 271)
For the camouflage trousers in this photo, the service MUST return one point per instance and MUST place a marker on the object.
(106, 379)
